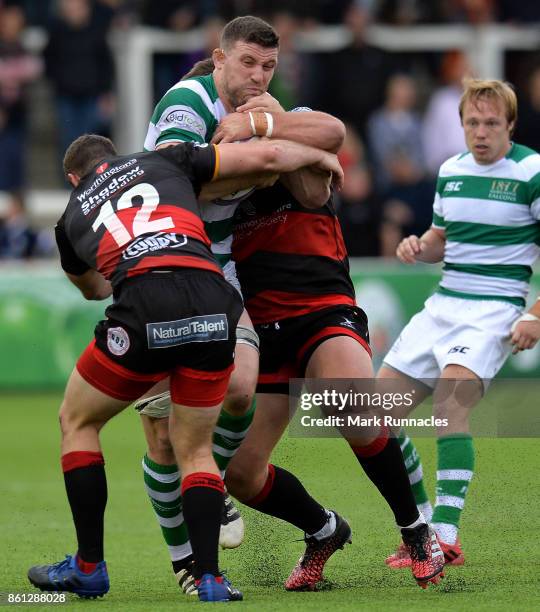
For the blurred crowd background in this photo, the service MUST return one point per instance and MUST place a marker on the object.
(58, 79)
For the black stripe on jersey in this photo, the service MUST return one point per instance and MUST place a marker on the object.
(311, 275)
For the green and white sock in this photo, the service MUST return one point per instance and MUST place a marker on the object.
(228, 435)
(455, 470)
(414, 469)
(163, 487)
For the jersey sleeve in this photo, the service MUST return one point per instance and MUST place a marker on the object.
(438, 216)
(182, 115)
(534, 186)
(69, 260)
(199, 162)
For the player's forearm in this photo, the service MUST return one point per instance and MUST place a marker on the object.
(287, 156)
(309, 187)
(535, 309)
(227, 186)
(314, 129)
(432, 244)
(92, 285)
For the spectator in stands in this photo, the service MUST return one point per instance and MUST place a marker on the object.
(523, 12)
(358, 206)
(17, 69)
(394, 133)
(18, 240)
(79, 64)
(410, 12)
(350, 83)
(396, 147)
(175, 15)
(528, 126)
(287, 83)
(180, 16)
(442, 131)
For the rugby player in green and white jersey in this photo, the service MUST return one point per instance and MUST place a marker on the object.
(194, 109)
(486, 230)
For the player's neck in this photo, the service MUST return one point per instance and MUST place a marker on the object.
(229, 107)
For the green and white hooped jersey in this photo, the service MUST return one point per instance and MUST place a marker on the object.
(190, 112)
(490, 216)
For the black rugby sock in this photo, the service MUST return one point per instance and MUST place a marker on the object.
(285, 497)
(86, 487)
(202, 502)
(383, 462)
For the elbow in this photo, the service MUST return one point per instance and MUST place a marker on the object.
(316, 198)
(333, 134)
(338, 135)
(95, 293)
(90, 294)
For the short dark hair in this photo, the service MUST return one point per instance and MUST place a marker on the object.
(251, 30)
(200, 68)
(85, 152)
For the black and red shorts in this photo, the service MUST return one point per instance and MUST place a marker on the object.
(287, 345)
(179, 323)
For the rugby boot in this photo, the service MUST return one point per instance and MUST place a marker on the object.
(217, 588)
(309, 569)
(400, 558)
(66, 576)
(231, 533)
(453, 553)
(186, 580)
(427, 559)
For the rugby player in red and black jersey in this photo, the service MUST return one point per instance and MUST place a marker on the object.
(132, 228)
(293, 268)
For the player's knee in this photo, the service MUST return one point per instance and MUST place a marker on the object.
(239, 396)
(73, 420)
(160, 448)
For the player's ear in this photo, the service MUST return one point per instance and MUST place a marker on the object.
(218, 55)
(74, 179)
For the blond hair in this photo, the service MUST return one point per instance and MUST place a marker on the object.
(484, 89)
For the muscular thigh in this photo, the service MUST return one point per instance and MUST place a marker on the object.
(84, 404)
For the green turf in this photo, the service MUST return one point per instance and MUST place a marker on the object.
(500, 528)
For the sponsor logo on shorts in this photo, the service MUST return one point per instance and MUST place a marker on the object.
(184, 118)
(156, 242)
(117, 340)
(205, 328)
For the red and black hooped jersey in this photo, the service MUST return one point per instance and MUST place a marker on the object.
(290, 260)
(139, 212)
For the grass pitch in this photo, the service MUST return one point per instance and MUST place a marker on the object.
(501, 526)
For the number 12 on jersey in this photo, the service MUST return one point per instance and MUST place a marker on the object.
(141, 223)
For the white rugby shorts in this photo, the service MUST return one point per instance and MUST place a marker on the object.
(474, 334)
